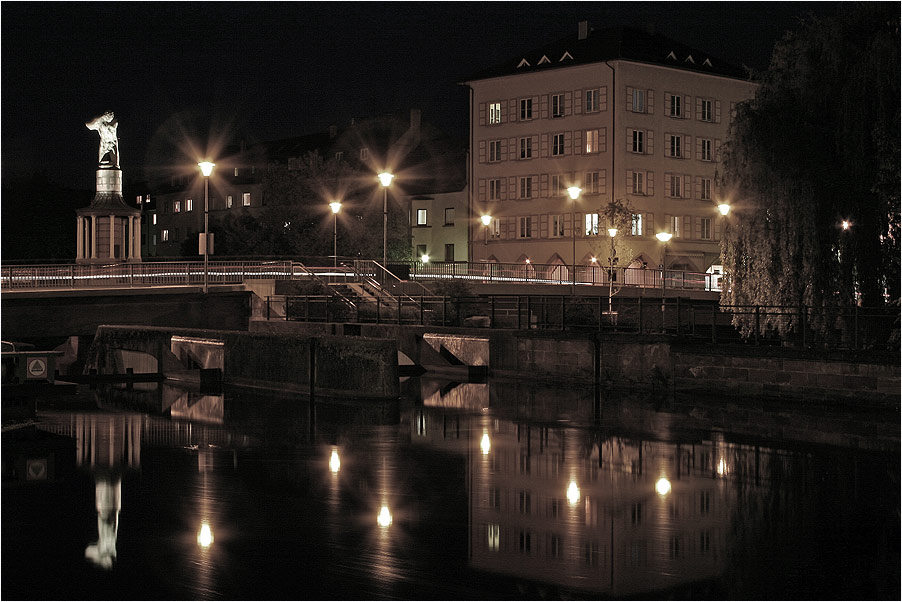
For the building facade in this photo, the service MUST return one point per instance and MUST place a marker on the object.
(622, 114)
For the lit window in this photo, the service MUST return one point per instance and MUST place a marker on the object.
(638, 101)
(526, 148)
(164, 235)
(636, 229)
(494, 190)
(421, 217)
(557, 105)
(140, 199)
(592, 141)
(525, 230)
(592, 103)
(676, 106)
(236, 172)
(591, 224)
(525, 109)
(154, 219)
(638, 141)
(229, 202)
(246, 199)
(494, 113)
(526, 187)
(449, 216)
(189, 204)
(705, 229)
(705, 149)
(494, 151)
(675, 226)
(176, 206)
(557, 145)
(706, 113)
(496, 227)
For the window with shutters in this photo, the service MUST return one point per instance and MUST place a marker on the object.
(526, 187)
(705, 192)
(494, 151)
(592, 183)
(705, 149)
(704, 228)
(636, 227)
(676, 226)
(638, 141)
(676, 106)
(592, 101)
(494, 190)
(525, 230)
(525, 109)
(557, 105)
(591, 224)
(557, 226)
(494, 113)
(557, 145)
(557, 185)
(526, 148)
(593, 140)
(675, 186)
(638, 181)
(676, 146)
(638, 105)
(707, 110)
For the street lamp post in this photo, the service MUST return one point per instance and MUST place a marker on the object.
(335, 206)
(206, 168)
(612, 261)
(663, 237)
(573, 191)
(486, 221)
(385, 179)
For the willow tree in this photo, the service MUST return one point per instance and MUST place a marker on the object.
(817, 146)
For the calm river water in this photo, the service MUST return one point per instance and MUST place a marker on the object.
(457, 491)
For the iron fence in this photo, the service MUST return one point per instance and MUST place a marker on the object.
(833, 328)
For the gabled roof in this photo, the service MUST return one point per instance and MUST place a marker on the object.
(625, 43)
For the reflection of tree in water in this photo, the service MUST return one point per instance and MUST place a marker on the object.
(786, 531)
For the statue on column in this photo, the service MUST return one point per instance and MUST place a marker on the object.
(106, 125)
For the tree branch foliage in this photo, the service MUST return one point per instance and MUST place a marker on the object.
(818, 144)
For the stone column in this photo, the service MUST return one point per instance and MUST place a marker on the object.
(137, 237)
(80, 238)
(93, 237)
(112, 235)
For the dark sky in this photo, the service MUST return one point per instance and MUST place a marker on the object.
(267, 70)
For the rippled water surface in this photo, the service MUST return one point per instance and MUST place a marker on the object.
(457, 491)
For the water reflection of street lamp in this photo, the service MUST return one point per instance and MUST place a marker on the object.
(573, 493)
(486, 221)
(663, 237)
(206, 168)
(205, 536)
(662, 486)
(384, 518)
(334, 462)
(485, 444)
(385, 179)
(573, 191)
(336, 207)
(612, 261)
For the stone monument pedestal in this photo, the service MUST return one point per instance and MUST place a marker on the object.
(108, 231)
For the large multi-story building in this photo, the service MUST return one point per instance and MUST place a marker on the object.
(621, 113)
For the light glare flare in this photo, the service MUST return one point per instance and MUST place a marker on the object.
(485, 444)
(662, 486)
(205, 536)
(206, 168)
(334, 462)
(573, 493)
(384, 518)
(385, 178)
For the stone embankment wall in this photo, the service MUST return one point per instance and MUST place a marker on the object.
(651, 361)
(345, 366)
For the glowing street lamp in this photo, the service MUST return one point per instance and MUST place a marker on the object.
(573, 191)
(206, 168)
(486, 222)
(664, 237)
(424, 258)
(335, 206)
(846, 224)
(385, 179)
(724, 209)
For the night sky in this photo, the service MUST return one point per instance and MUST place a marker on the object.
(261, 71)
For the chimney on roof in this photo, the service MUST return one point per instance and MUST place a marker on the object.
(583, 30)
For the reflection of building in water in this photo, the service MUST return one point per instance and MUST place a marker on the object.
(578, 509)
